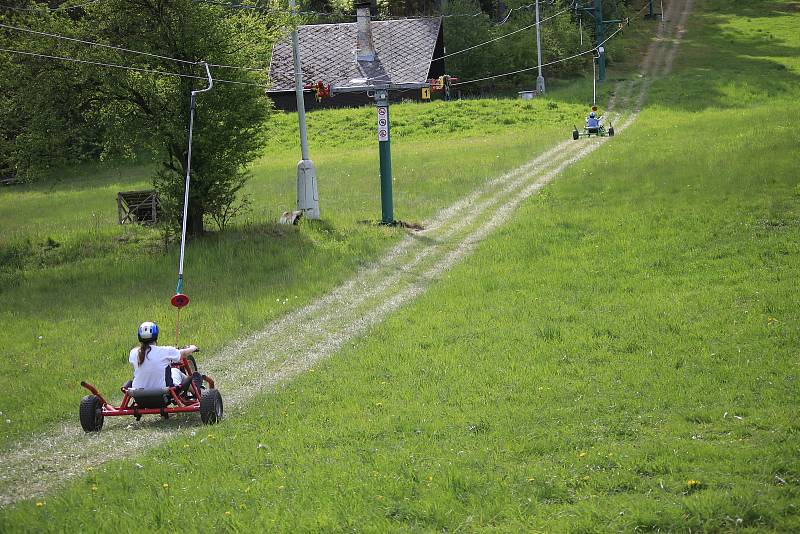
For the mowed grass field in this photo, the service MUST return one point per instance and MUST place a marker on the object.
(75, 285)
(623, 355)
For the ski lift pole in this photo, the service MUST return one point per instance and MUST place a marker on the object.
(594, 80)
(651, 14)
(180, 300)
(385, 152)
(600, 29)
(307, 196)
(540, 78)
(596, 12)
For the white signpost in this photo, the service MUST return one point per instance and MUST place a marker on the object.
(383, 123)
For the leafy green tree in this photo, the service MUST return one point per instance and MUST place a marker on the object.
(47, 107)
(151, 111)
(86, 109)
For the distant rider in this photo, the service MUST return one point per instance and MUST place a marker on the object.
(150, 361)
(592, 122)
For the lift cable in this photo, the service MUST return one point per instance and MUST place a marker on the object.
(589, 51)
(121, 49)
(473, 47)
(113, 65)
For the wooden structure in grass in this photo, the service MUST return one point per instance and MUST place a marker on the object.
(140, 207)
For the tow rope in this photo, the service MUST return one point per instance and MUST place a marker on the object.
(180, 300)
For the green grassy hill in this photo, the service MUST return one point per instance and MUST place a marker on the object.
(622, 355)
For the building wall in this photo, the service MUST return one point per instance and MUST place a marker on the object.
(287, 101)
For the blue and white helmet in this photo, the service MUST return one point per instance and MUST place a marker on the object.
(148, 332)
(592, 114)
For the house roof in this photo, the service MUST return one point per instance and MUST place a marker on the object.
(403, 49)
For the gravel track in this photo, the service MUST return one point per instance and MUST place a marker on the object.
(296, 342)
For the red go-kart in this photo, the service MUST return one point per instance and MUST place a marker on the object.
(190, 396)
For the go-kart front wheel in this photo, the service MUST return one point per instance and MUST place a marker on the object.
(210, 407)
(91, 413)
(575, 134)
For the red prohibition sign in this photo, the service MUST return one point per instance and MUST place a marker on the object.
(382, 122)
(381, 111)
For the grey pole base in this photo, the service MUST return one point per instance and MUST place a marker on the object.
(307, 197)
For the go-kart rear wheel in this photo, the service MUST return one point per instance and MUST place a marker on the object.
(575, 134)
(210, 407)
(91, 413)
(611, 132)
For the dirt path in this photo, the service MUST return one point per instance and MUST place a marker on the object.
(302, 338)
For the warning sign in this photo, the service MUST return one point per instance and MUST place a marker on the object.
(383, 123)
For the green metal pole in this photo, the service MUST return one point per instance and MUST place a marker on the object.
(598, 17)
(385, 152)
(387, 215)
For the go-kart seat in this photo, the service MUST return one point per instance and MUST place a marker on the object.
(150, 398)
(593, 130)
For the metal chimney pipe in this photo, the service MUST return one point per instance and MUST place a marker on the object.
(365, 51)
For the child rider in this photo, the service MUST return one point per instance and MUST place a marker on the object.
(150, 361)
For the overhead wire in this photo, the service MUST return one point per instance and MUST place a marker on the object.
(48, 8)
(473, 47)
(260, 9)
(126, 67)
(119, 48)
(590, 50)
(174, 74)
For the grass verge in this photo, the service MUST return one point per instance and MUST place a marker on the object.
(621, 356)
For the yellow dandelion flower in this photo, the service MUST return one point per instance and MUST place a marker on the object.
(693, 483)
(228, 512)
(165, 485)
(94, 488)
(39, 504)
(581, 455)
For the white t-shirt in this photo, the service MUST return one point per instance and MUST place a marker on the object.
(150, 374)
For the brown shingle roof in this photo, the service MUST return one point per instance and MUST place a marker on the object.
(404, 49)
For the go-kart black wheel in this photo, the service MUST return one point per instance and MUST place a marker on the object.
(210, 407)
(575, 134)
(611, 132)
(91, 413)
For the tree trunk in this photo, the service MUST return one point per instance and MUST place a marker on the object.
(194, 223)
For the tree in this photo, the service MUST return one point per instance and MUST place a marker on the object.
(46, 106)
(61, 106)
(147, 110)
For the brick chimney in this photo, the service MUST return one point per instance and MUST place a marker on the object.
(364, 48)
